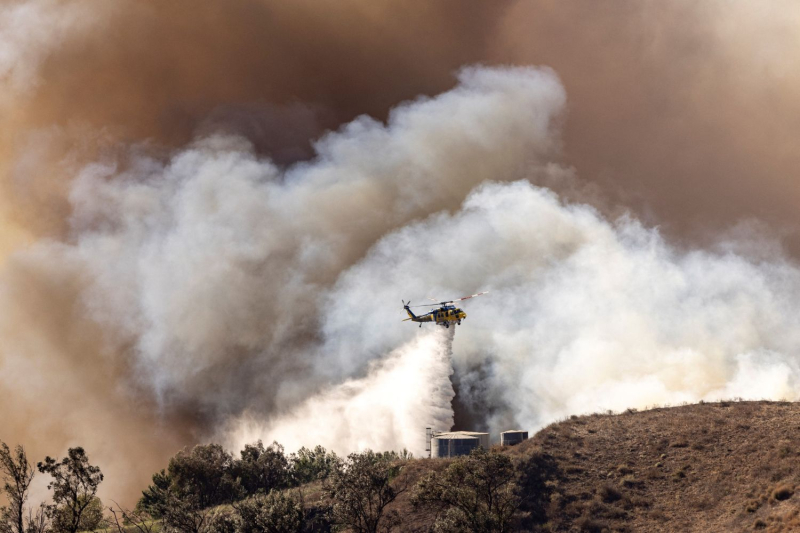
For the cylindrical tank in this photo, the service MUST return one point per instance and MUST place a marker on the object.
(512, 437)
(482, 437)
(453, 444)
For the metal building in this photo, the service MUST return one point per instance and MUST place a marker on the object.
(512, 437)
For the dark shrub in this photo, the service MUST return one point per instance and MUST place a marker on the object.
(261, 470)
(275, 513)
(361, 487)
(475, 493)
(309, 465)
(609, 494)
(783, 492)
(202, 475)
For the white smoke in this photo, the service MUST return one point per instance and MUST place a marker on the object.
(30, 29)
(587, 314)
(387, 409)
(210, 272)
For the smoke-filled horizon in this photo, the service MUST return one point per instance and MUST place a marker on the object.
(211, 212)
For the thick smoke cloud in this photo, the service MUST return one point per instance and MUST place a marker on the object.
(586, 314)
(216, 264)
(684, 111)
(188, 252)
(200, 283)
(79, 76)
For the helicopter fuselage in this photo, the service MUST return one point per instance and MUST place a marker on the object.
(444, 316)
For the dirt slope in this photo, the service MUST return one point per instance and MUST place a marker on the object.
(730, 466)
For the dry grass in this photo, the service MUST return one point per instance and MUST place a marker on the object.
(727, 466)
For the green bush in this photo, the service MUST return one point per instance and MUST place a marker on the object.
(475, 493)
(261, 470)
(310, 465)
(203, 475)
(276, 512)
(361, 487)
(89, 520)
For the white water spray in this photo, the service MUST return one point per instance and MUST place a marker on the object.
(388, 409)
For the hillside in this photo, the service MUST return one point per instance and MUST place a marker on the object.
(729, 466)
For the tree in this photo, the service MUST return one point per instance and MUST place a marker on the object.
(275, 513)
(184, 515)
(17, 474)
(361, 489)
(202, 475)
(310, 465)
(183, 496)
(261, 469)
(74, 487)
(90, 519)
(38, 522)
(154, 498)
(475, 493)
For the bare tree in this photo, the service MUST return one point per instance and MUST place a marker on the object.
(17, 474)
(122, 520)
(38, 522)
(74, 487)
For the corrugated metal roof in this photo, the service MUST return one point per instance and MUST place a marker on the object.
(514, 431)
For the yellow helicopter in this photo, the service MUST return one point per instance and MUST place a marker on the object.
(444, 316)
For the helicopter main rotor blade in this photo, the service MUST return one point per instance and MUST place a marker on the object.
(472, 296)
(450, 301)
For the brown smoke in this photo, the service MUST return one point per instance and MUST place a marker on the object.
(162, 71)
(682, 110)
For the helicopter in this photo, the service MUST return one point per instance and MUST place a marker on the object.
(445, 315)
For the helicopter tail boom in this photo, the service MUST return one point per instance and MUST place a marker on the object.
(411, 314)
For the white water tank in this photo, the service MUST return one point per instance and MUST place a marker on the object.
(512, 437)
(451, 445)
(455, 443)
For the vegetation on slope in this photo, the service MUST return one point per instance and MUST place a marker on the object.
(728, 466)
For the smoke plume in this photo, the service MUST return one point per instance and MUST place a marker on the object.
(381, 411)
(588, 314)
(211, 211)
